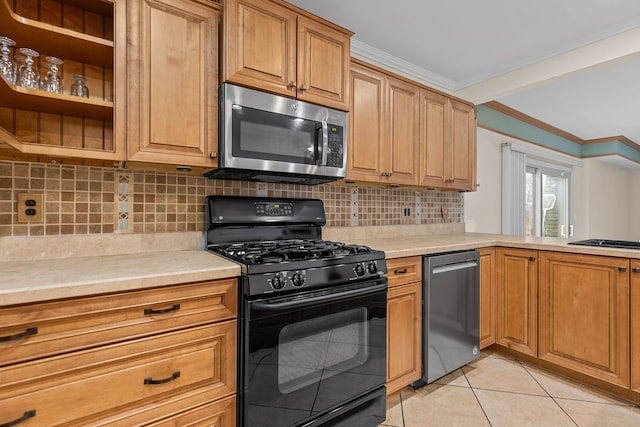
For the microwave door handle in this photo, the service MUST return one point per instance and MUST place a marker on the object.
(325, 142)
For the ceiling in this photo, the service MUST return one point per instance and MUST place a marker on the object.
(573, 64)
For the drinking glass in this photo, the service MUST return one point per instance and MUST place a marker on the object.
(52, 81)
(29, 76)
(79, 88)
(8, 66)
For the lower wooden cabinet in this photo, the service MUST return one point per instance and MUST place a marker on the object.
(488, 298)
(155, 374)
(584, 314)
(517, 299)
(635, 326)
(404, 322)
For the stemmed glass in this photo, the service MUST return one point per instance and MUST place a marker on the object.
(8, 66)
(52, 81)
(28, 75)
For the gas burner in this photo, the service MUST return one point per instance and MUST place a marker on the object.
(288, 250)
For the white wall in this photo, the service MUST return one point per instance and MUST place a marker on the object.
(601, 195)
(606, 198)
(483, 208)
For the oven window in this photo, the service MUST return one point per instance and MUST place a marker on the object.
(319, 348)
(268, 136)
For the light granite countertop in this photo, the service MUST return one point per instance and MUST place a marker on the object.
(135, 262)
(31, 281)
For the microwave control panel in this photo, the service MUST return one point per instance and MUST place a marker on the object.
(335, 156)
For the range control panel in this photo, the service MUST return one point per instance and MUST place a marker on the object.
(274, 209)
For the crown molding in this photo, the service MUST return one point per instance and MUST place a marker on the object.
(370, 54)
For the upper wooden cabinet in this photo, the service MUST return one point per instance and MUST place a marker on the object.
(517, 299)
(279, 48)
(172, 82)
(448, 142)
(384, 128)
(90, 37)
(584, 314)
(403, 134)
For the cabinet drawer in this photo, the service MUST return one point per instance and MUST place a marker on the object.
(401, 271)
(38, 330)
(90, 384)
(218, 414)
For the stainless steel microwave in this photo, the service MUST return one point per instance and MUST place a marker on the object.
(265, 137)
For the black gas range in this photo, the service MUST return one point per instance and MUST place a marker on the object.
(312, 315)
(278, 244)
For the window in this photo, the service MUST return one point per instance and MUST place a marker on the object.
(536, 192)
(547, 201)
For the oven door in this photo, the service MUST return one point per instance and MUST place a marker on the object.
(316, 358)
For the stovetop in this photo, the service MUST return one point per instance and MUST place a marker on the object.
(278, 251)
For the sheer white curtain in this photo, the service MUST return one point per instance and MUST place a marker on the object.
(514, 164)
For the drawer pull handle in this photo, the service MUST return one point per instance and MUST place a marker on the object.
(532, 258)
(635, 270)
(174, 307)
(403, 271)
(25, 417)
(26, 333)
(163, 381)
(622, 269)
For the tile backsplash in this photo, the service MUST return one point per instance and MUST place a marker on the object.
(97, 200)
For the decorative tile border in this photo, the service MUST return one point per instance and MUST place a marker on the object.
(95, 200)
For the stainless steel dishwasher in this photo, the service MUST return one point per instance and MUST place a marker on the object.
(450, 313)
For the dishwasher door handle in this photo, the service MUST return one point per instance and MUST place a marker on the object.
(454, 267)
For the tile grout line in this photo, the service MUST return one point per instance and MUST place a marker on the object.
(476, 396)
(548, 394)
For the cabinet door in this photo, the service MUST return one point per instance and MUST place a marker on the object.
(404, 336)
(584, 314)
(367, 125)
(635, 326)
(404, 132)
(173, 82)
(434, 134)
(462, 149)
(260, 46)
(323, 64)
(487, 296)
(516, 323)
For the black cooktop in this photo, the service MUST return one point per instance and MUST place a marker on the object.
(606, 243)
(287, 250)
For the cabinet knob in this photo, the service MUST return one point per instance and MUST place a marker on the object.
(292, 84)
(532, 258)
(213, 154)
(303, 87)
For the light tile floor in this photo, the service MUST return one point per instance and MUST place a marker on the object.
(498, 391)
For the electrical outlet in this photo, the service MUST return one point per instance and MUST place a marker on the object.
(30, 207)
(445, 212)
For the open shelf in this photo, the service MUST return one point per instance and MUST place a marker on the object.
(37, 100)
(56, 41)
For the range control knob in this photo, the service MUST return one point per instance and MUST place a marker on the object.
(297, 279)
(359, 270)
(372, 268)
(277, 282)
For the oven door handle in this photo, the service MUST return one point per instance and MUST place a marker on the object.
(303, 301)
